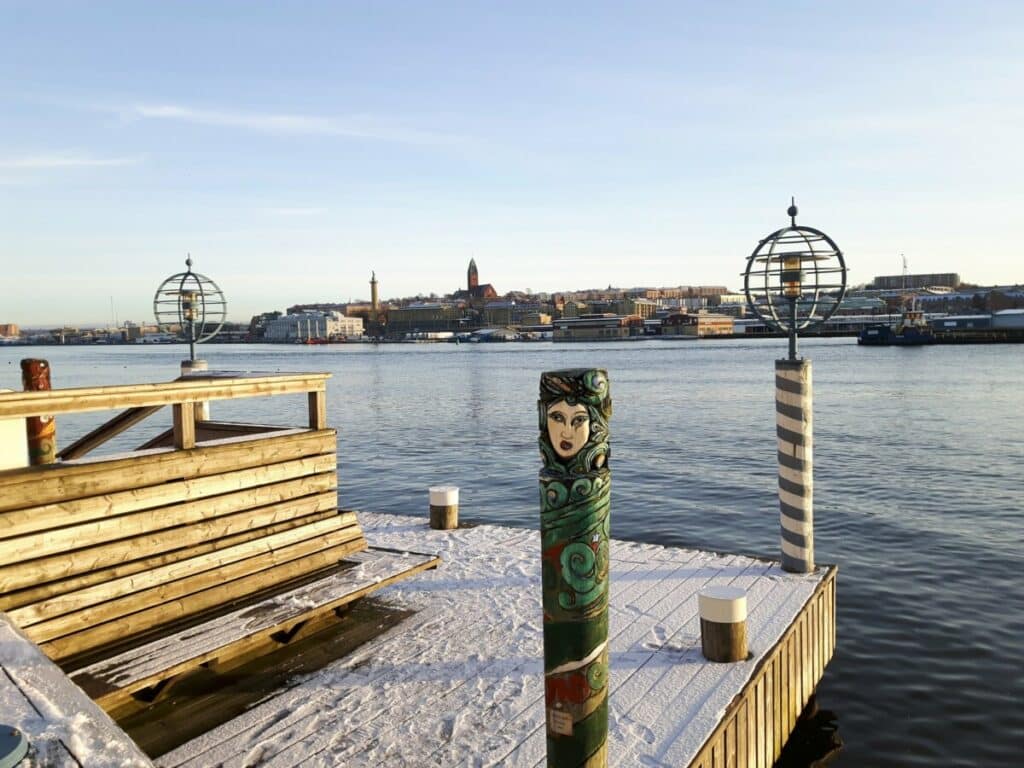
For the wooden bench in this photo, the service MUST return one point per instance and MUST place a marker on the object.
(128, 571)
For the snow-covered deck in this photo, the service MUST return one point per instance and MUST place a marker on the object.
(460, 683)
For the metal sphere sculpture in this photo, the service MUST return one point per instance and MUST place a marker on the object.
(193, 303)
(795, 279)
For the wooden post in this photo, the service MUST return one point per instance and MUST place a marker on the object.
(197, 366)
(794, 428)
(723, 623)
(444, 507)
(184, 425)
(575, 484)
(41, 431)
(318, 409)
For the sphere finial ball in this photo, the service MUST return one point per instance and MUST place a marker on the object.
(792, 211)
(188, 261)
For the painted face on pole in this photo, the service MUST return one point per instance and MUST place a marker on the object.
(568, 428)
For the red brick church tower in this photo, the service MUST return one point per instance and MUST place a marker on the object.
(472, 278)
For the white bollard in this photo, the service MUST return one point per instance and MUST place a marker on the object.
(444, 507)
(723, 623)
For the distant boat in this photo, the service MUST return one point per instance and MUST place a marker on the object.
(910, 330)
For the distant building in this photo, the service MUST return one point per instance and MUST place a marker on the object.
(426, 316)
(305, 326)
(475, 292)
(605, 327)
(700, 324)
(9, 330)
(898, 282)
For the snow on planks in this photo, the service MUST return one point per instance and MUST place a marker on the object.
(461, 682)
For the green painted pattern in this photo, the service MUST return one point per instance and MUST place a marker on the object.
(575, 494)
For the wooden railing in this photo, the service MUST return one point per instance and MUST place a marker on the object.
(182, 395)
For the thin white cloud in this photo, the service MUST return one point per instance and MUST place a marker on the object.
(296, 211)
(354, 126)
(47, 161)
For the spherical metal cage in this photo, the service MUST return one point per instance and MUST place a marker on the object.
(191, 301)
(795, 278)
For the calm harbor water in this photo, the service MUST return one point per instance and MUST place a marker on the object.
(918, 498)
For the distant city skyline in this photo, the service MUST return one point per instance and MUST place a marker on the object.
(292, 151)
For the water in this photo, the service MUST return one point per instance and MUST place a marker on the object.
(918, 475)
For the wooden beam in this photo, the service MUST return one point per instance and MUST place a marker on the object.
(318, 409)
(211, 430)
(83, 399)
(33, 486)
(106, 431)
(184, 425)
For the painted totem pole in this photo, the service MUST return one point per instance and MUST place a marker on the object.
(41, 430)
(575, 500)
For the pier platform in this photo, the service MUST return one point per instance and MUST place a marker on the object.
(460, 682)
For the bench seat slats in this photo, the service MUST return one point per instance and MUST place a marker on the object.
(141, 666)
(36, 592)
(50, 484)
(102, 602)
(75, 512)
(177, 608)
(17, 575)
(69, 537)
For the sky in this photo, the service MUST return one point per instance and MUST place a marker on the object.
(292, 148)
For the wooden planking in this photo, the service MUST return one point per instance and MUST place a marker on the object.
(15, 405)
(19, 522)
(54, 483)
(24, 574)
(288, 544)
(11, 600)
(110, 680)
(116, 527)
(763, 715)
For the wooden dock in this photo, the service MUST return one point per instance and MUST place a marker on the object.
(224, 524)
(461, 681)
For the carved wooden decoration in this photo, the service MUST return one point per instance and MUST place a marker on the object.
(575, 486)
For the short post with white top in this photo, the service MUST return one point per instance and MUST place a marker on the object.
(444, 507)
(723, 623)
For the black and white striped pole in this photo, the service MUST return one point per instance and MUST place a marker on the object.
(795, 280)
(795, 434)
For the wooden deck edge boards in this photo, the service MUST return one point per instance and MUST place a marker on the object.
(766, 681)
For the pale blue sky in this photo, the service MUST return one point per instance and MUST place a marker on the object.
(293, 147)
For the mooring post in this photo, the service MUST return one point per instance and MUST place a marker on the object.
(723, 623)
(794, 429)
(575, 500)
(444, 507)
(41, 431)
